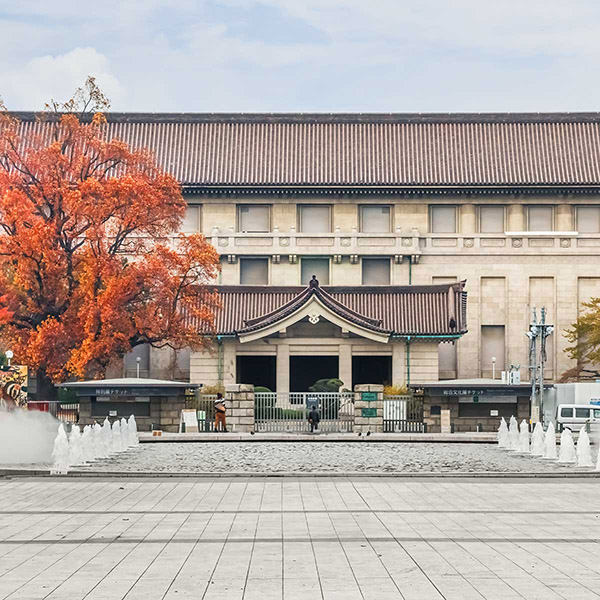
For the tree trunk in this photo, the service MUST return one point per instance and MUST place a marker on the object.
(46, 390)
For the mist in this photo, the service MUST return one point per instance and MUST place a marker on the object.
(26, 436)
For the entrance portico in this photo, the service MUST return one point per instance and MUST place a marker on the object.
(390, 332)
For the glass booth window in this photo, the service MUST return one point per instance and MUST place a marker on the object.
(314, 219)
(254, 218)
(314, 266)
(375, 219)
(254, 271)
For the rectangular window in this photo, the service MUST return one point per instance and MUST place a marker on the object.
(491, 219)
(443, 219)
(588, 219)
(314, 266)
(492, 347)
(566, 413)
(314, 219)
(375, 219)
(582, 413)
(376, 271)
(191, 220)
(254, 218)
(254, 271)
(540, 218)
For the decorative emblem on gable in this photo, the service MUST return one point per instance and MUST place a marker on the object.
(313, 318)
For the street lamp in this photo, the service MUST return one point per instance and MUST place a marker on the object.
(138, 360)
(9, 354)
(493, 367)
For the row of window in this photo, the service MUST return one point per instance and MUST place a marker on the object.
(255, 271)
(317, 218)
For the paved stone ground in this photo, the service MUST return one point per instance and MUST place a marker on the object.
(326, 457)
(311, 538)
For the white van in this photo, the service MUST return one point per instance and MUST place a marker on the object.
(574, 416)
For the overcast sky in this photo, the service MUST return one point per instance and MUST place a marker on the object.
(305, 55)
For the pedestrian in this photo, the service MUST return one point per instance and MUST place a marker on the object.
(313, 418)
(220, 413)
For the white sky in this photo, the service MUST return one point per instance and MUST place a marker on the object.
(305, 55)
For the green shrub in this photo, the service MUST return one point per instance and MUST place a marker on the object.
(326, 385)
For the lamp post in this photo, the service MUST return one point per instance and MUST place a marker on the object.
(138, 360)
(9, 354)
(493, 367)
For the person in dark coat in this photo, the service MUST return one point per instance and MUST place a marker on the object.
(313, 418)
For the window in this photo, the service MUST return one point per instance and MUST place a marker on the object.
(191, 220)
(588, 219)
(582, 413)
(540, 218)
(566, 412)
(443, 219)
(376, 271)
(596, 412)
(375, 219)
(314, 219)
(254, 271)
(491, 219)
(492, 346)
(254, 218)
(314, 266)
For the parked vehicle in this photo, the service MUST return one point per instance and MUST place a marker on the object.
(574, 416)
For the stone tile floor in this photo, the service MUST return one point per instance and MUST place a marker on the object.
(311, 538)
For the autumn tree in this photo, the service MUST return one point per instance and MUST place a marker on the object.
(584, 335)
(91, 262)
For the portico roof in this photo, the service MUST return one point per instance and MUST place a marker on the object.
(399, 311)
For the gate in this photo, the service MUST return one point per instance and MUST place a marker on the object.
(403, 414)
(288, 412)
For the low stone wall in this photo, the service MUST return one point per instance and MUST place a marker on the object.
(363, 407)
(239, 402)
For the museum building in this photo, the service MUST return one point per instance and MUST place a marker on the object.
(397, 217)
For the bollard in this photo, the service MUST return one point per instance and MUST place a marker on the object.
(479, 427)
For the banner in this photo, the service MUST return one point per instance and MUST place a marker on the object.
(13, 386)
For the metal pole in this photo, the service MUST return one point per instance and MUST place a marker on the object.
(532, 334)
(542, 359)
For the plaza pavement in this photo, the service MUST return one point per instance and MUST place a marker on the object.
(320, 538)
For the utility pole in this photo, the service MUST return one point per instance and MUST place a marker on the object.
(537, 330)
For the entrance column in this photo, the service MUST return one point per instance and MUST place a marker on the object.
(283, 368)
(345, 365)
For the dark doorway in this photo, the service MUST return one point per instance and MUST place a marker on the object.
(258, 370)
(372, 369)
(305, 370)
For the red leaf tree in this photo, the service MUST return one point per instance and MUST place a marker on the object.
(91, 263)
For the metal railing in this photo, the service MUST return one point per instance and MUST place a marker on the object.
(205, 410)
(288, 412)
(63, 411)
(403, 414)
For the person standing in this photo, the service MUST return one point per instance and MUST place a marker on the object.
(220, 410)
(313, 418)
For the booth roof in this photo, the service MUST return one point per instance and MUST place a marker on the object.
(128, 382)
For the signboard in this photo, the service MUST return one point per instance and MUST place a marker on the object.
(188, 422)
(368, 396)
(493, 413)
(368, 412)
(13, 386)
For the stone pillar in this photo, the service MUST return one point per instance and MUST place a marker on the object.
(467, 219)
(368, 413)
(515, 217)
(283, 368)
(239, 402)
(345, 365)
(398, 362)
(564, 218)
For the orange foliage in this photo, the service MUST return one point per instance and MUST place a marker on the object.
(87, 266)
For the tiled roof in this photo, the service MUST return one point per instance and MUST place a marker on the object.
(402, 150)
(401, 310)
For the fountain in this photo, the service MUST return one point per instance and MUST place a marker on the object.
(513, 434)
(124, 434)
(98, 441)
(567, 447)
(550, 443)
(75, 446)
(60, 454)
(584, 452)
(503, 434)
(116, 436)
(537, 440)
(524, 437)
(88, 450)
(133, 434)
(107, 437)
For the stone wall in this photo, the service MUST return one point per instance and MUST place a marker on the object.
(239, 402)
(362, 423)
